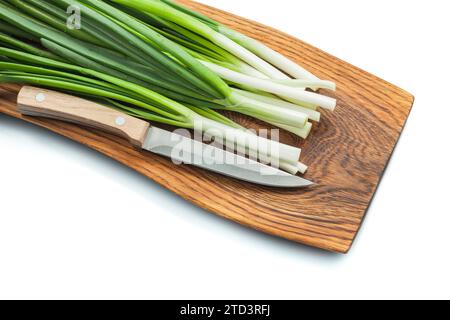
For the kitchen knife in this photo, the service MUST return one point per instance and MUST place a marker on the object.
(51, 104)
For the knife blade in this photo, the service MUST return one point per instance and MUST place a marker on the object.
(51, 104)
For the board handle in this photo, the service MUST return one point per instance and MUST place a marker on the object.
(56, 105)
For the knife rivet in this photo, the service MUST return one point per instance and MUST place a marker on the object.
(120, 121)
(40, 97)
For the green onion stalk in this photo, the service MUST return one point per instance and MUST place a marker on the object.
(207, 83)
(250, 50)
(151, 106)
(276, 59)
(254, 108)
(170, 16)
(161, 62)
(187, 21)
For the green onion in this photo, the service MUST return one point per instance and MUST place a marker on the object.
(167, 111)
(275, 88)
(14, 43)
(273, 57)
(49, 19)
(169, 13)
(13, 31)
(162, 62)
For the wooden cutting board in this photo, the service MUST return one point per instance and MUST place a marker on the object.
(347, 152)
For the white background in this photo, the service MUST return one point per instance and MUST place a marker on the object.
(74, 224)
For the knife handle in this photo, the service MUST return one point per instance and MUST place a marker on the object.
(55, 105)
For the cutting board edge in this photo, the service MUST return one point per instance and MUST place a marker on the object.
(412, 101)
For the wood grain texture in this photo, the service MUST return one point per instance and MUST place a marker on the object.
(347, 152)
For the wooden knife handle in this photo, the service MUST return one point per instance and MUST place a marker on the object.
(51, 104)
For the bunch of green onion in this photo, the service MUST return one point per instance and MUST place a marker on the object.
(162, 62)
